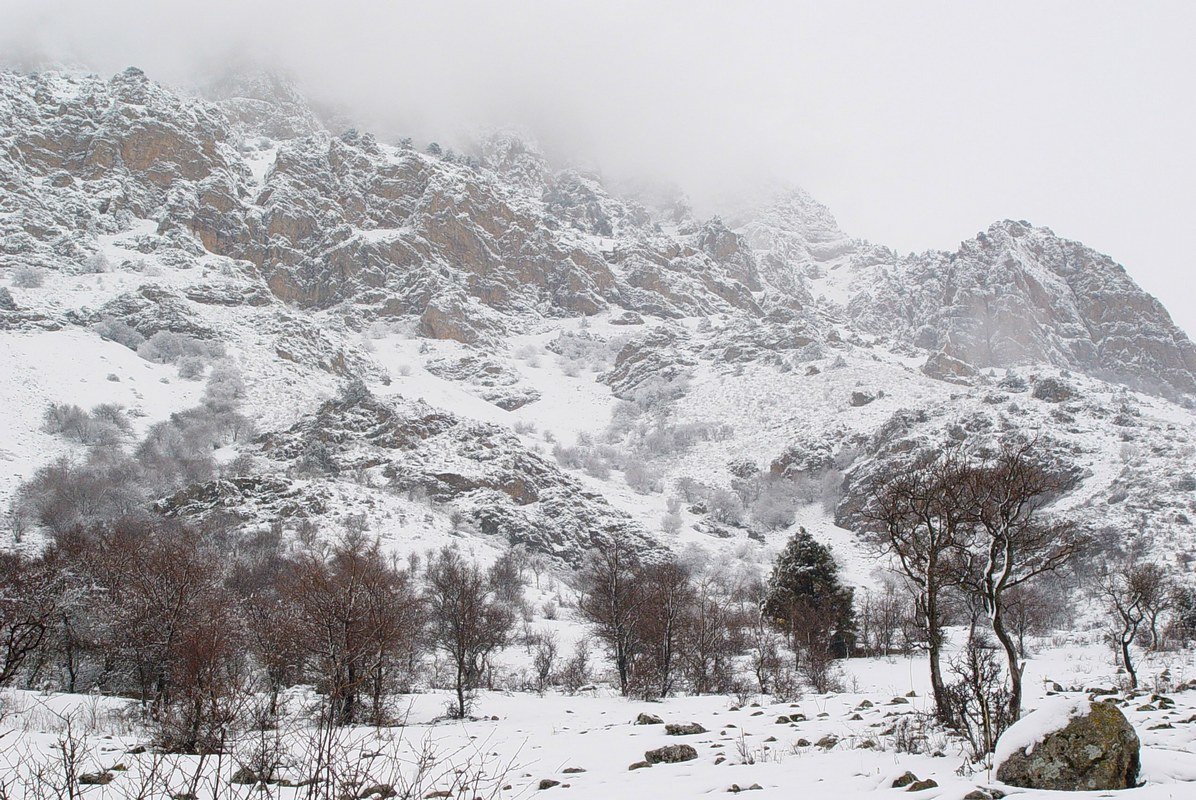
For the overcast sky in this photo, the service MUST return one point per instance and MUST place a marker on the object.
(917, 123)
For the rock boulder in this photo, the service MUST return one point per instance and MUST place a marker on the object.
(1070, 744)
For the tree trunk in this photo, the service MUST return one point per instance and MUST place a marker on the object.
(622, 666)
(1125, 659)
(934, 646)
(1011, 657)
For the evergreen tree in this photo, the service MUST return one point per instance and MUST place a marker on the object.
(807, 598)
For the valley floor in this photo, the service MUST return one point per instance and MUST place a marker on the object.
(843, 748)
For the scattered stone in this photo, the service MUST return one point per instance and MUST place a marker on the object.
(861, 399)
(639, 765)
(572, 770)
(96, 778)
(984, 794)
(648, 719)
(828, 741)
(683, 729)
(627, 318)
(381, 791)
(802, 743)
(903, 780)
(1052, 390)
(918, 786)
(547, 783)
(898, 701)
(244, 776)
(943, 367)
(671, 754)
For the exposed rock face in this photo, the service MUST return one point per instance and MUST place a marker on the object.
(81, 153)
(943, 367)
(660, 356)
(1018, 294)
(494, 381)
(480, 470)
(246, 219)
(798, 239)
(1094, 749)
(252, 174)
(472, 246)
(265, 104)
(244, 497)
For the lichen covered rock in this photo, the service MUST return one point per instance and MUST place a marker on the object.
(1070, 745)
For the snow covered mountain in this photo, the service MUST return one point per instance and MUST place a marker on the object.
(543, 361)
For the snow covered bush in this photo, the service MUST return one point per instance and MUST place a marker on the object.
(642, 478)
(166, 347)
(105, 425)
(190, 368)
(96, 263)
(27, 277)
(115, 330)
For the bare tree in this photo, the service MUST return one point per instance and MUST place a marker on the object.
(668, 596)
(29, 604)
(1129, 592)
(1013, 541)
(1031, 610)
(470, 619)
(919, 516)
(612, 596)
(544, 658)
(713, 637)
(355, 614)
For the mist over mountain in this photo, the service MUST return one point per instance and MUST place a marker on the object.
(1072, 122)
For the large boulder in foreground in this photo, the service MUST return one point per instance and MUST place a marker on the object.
(1070, 744)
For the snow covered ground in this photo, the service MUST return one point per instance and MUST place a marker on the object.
(843, 745)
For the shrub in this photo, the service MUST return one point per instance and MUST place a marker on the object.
(191, 368)
(96, 264)
(27, 277)
(116, 331)
(642, 478)
(166, 347)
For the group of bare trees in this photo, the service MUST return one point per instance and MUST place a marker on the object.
(662, 623)
(202, 624)
(668, 626)
(970, 527)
